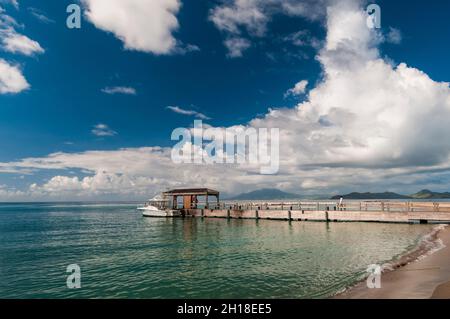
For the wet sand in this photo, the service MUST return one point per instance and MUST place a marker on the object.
(427, 277)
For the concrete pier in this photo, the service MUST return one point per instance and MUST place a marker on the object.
(384, 212)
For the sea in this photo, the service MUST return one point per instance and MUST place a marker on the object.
(118, 253)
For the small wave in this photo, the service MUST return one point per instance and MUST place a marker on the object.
(427, 245)
(431, 243)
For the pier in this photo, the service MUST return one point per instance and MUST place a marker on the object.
(195, 203)
(385, 212)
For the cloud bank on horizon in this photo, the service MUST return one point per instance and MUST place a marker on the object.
(366, 121)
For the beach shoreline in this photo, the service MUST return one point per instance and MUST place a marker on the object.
(420, 274)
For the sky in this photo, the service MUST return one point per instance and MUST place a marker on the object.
(87, 114)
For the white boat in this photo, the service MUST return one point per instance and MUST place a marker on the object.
(157, 207)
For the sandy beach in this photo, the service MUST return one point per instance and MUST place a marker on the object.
(426, 277)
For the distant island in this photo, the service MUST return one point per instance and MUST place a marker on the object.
(274, 194)
(427, 194)
(385, 195)
(423, 194)
(266, 194)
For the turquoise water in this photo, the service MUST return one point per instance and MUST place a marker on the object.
(123, 255)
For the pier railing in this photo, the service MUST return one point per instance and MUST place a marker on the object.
(379, 206)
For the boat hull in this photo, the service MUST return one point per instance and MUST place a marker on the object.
(152, 212)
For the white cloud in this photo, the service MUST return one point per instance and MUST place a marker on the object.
(364, 113)
(179, 110)
(254, 15)
(298, 89)
(239, 17)
(303, 38)
(119, 90)
(394, 36)
(103, 130)
(14, 42)
(40, 15)
(184, 49)
(17, 43)
(248, 14)
(236, 46)
(14, 3)
(142, 25)
(11, 79)
(126, 172)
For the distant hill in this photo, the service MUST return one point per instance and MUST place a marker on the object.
(385, 195)
(274, 194)
(266, 194)
(427, 194)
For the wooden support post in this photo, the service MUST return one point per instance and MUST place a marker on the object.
(228, 214)
(289, 215)
(256, 215)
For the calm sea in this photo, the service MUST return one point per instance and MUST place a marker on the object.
(123, 255)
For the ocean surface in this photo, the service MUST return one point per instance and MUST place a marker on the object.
(124, 255)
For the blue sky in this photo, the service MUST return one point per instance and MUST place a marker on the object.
(67, 100)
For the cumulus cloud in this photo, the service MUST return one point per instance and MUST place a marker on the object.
(370, 106)
(179, 110)
(298, 89)
(11, 79)
(119, 90)
(127, 172)
(103, 130)
(142, 25)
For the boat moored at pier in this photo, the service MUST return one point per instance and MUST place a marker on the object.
(158, 207)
